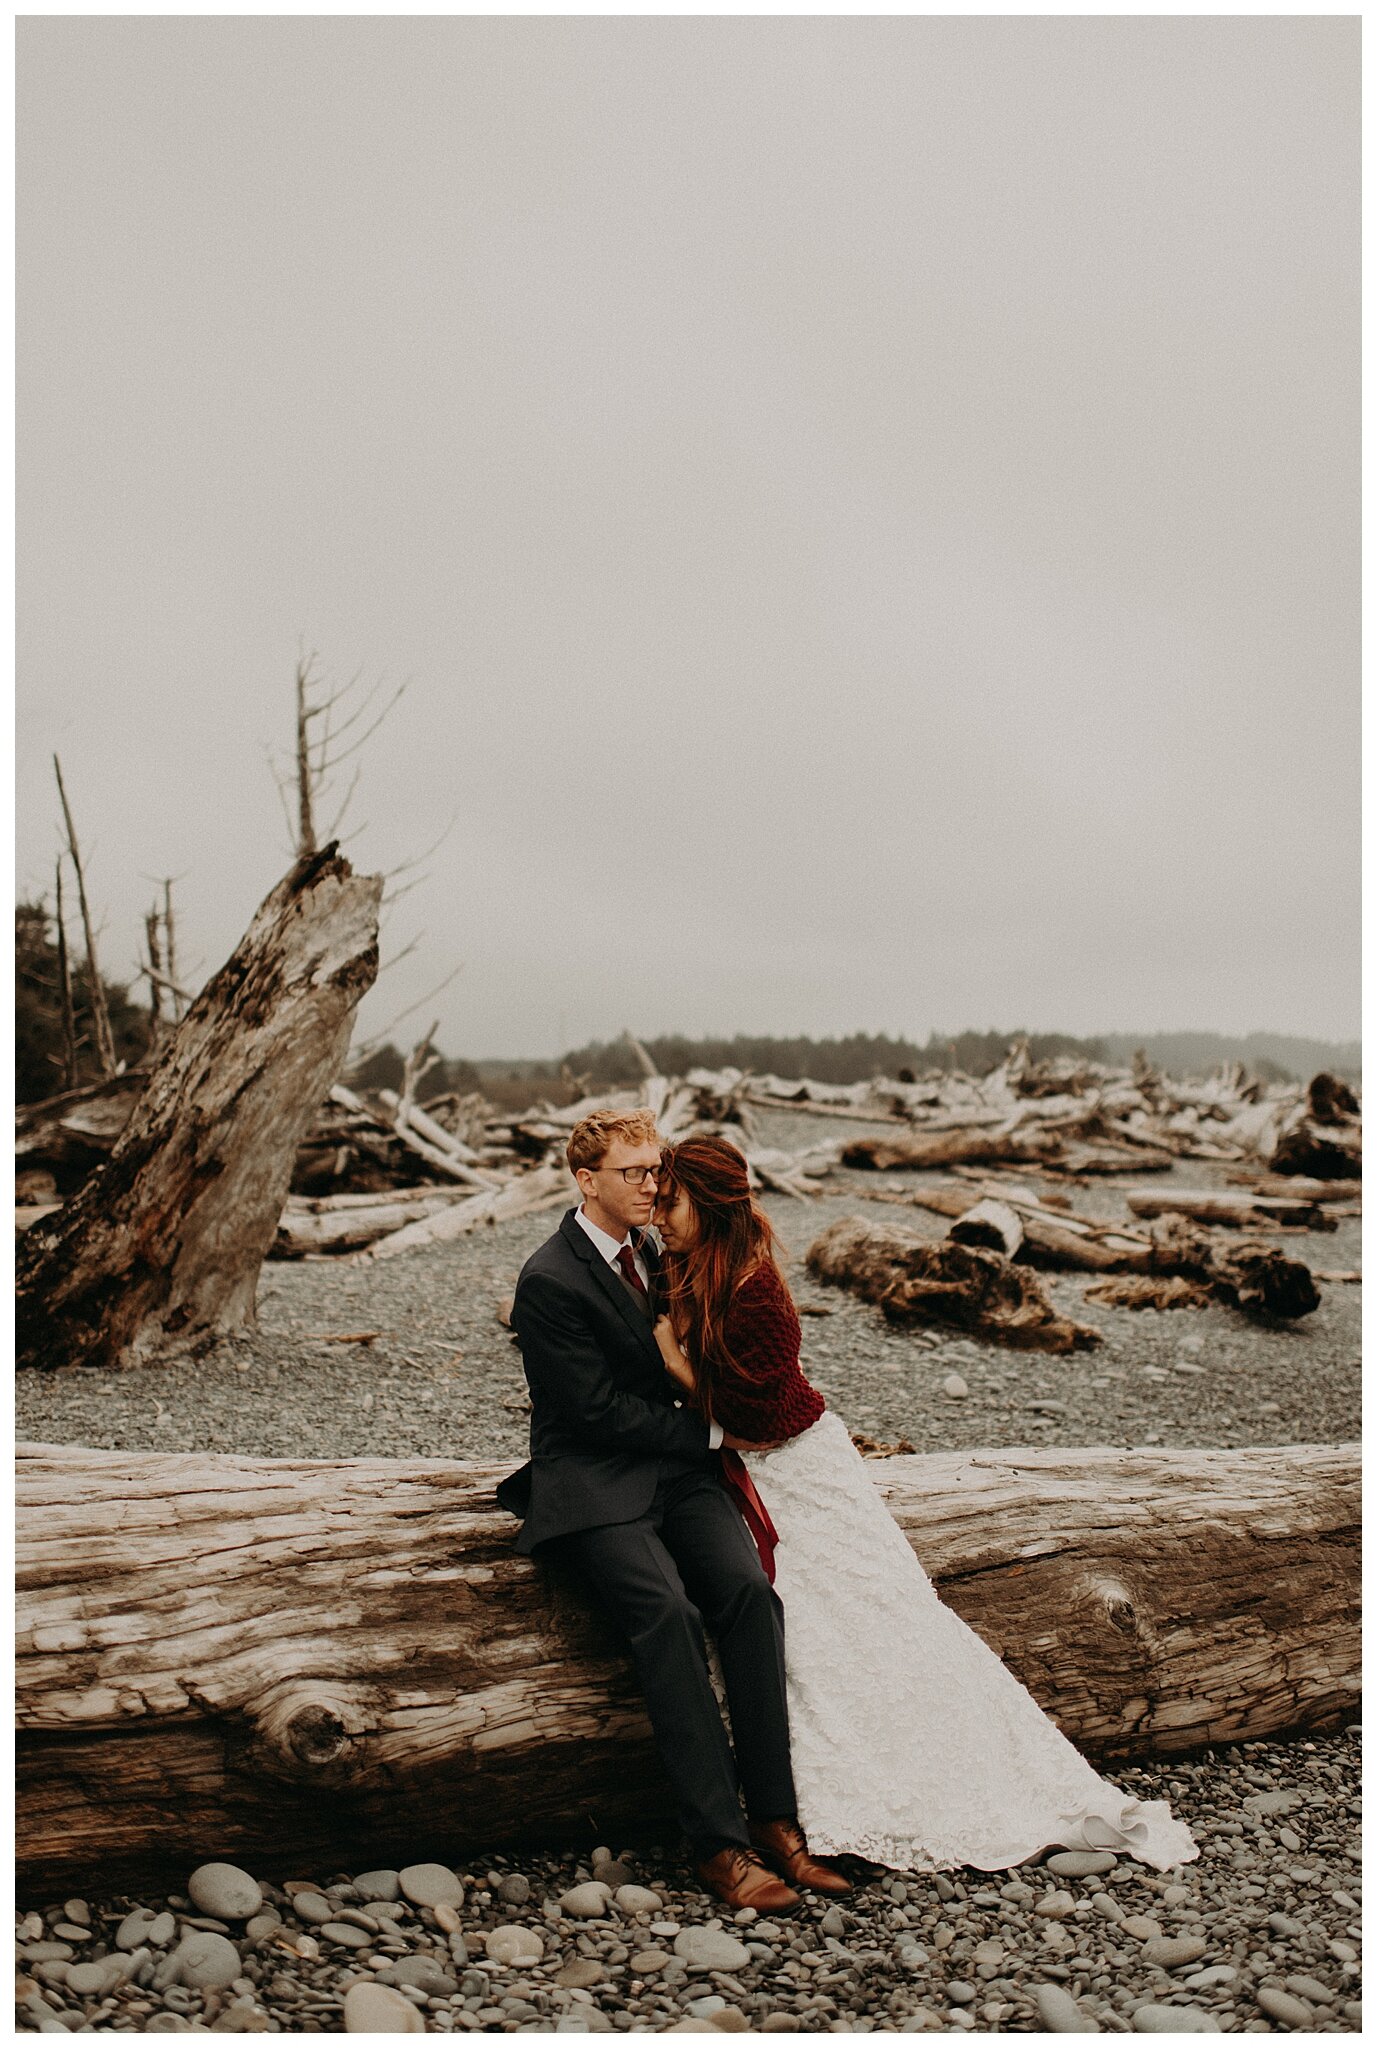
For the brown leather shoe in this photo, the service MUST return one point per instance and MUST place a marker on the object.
(739, 1878)
(783, 1843)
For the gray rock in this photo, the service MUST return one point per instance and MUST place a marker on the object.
(954, 1387)
(1059, 2012)
(46, 1951)
(1353, 2012)
(704, 2008)
(1207, 1980)
(71, 1930)
(132, 1931)
(225, 1890)
(711, 1948)
(833, 1921)
(263, 1924)
(430, 1884)
(580, 1974)
(423, 1973)
(1174, 1951)
(1280, 2005)
(1107, 1906)
(514, 1945)
(648, 1962)
(1303, 1986)
(1081, 1862)
(586, 1901)
(1173, 2019)
(345, 1935)
(313, 1908)
(514, 1889)
(1284, 1925)
(372, 2008)
(91, 1980)
(378, 1884)
(206, 1962)
(637, 1898)
(960, 1993)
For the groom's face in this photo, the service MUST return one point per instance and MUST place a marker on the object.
(614, 1203)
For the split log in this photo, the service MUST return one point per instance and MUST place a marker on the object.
(546, 1188)
(927, 1149)
(1241, 1212)
(914, 1281)
(350, 1222)
(222, 1654)
(1254, 1277)
(992, 1223)
(1057, 1242)
(159, 1252)
(1324, 1151)
(1298, 1186)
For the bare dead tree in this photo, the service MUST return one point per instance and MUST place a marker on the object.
(154, 971)
(419, 1062)
(170, 949)
(64, 971)
(100, 1014)
(324, 716)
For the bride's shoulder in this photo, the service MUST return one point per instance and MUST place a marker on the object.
(763, 1282)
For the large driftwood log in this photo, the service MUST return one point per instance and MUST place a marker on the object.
(1239, 1212)
(913, 1280)
(227, 1655)
(160, 1250)
(949, 1148)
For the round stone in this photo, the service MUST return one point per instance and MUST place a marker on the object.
(1208, 1980)
(224, 1891)
(422, 1973)
(378, 1884)
(637, 1898)
(1173, 2019)
(514, 1889)
(833, 1921)
(1280, 2005)
(87, 1979)
(1303, 1986)
(731, 2020)
(711, 1948)
(959, 1993)
(648, 1962)
(1081, 1862)
(161, 1930)
(1173, 1951)
(1059, 2012)
(511, 1945)
(954, 1387)
(132, 1931)
(205, 1962)
(314, 1908)
(430, 1884)
(373, 2008)
(586, 1901)
(1055, 1905)
(263, 1924)
(447, 1918)
(580, 1974)
(344, 1935)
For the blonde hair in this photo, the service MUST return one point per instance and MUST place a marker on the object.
(592, 1136)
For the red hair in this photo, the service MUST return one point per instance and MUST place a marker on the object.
(733, 1239)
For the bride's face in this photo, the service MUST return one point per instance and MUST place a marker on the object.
(676, 1220)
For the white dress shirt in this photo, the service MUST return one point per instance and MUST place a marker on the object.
(608, 1247)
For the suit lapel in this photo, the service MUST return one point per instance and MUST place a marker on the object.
(615, 1289)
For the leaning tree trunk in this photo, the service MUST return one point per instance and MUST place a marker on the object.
(915, 1281)
(222, 1655)
(160, 1249)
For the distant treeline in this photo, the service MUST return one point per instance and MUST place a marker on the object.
(862, 1056)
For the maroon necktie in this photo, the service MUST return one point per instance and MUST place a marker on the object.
(626, 1259)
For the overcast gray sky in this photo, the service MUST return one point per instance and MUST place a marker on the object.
(868, 507)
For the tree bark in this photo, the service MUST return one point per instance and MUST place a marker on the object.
(915, 1281)
(224, 1656)
(159, 1252)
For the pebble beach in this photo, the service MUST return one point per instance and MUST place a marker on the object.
(408, 1357)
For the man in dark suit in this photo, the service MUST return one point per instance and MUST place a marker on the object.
(623, 1483)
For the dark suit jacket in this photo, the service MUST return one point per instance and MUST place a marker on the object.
(604, 1424)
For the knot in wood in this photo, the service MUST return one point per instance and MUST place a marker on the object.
(316, 1735)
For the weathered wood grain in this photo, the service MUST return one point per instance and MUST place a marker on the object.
(303, 1662)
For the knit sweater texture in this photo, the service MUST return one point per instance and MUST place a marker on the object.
(767, 1398)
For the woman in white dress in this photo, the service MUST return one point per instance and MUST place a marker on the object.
(912, 1743)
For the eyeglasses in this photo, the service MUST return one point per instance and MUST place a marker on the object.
(634, 1176)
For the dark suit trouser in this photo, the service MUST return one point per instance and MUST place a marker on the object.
(687, 1564)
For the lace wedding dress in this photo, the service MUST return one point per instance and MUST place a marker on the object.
(912, 1744)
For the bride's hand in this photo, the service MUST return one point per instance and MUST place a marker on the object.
(736, 1443)
(676, 1365)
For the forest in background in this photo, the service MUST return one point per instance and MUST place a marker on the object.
(43, 1067)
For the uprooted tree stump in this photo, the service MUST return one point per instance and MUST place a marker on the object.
(160, 1249)
(236, 1654)
(966, 1286)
